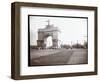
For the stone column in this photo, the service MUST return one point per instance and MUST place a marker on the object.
(55, 43)
(40, 41)
(55, 39)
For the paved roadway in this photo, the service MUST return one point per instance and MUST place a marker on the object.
(58, 57)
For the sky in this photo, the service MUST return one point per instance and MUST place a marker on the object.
(72, 30)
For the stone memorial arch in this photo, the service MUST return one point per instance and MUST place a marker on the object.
(43, 34)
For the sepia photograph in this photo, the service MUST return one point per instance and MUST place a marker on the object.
(57, 40)
(53, 40)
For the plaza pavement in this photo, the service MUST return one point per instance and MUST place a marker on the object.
(58, 57)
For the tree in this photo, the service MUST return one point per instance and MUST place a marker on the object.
(65, 46)
(78, 45)
(85, 44)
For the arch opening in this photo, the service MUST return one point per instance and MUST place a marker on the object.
(49, 42)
